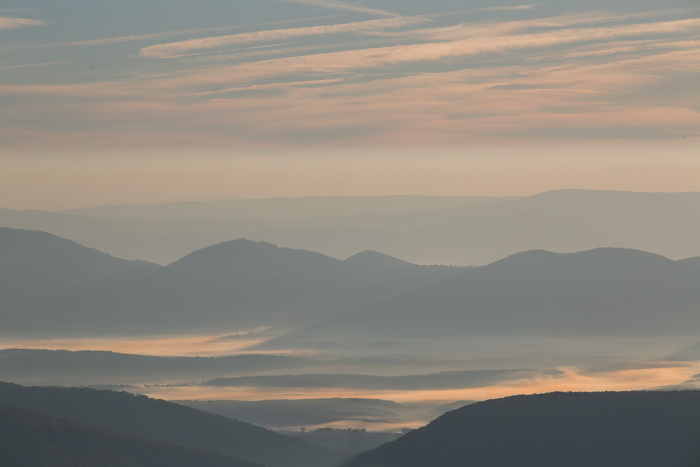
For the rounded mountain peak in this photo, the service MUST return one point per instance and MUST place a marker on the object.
(250, 256)
(371, 258)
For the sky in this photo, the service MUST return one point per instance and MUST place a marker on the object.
(134, 102)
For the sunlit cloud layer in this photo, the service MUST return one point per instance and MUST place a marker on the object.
(504, 73)
(293, 77)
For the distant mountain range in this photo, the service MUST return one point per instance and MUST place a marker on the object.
(45, 280)
(32, 261)
(167, 422)
(33, 439)
(55, 286)
(603, 292)
(625, 429)
(247, 284)
(425, 230)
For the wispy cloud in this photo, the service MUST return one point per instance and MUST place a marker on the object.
(509, 8)
(34, 65)
(8, 22)
(334, 4)
(183, 47)
(567, 76)
(600, 52)
(256, 87)
(140, 37)
(379, 58)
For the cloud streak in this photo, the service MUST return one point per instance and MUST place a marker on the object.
(34, 65)
(257, 87)
(175, 49)
(333, 4)
(509, 8)
(389, 81)
(139, 37)
(379, 58)
(8, 22)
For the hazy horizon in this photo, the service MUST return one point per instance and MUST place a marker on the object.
(193, 201)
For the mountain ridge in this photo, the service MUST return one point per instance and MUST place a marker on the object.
(607, 429)
(167, 422)
(471, 233)
(34, 439)
(604, 292)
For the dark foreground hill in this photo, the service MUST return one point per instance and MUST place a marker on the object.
(33, 439)
(167, 422)
(608, 429)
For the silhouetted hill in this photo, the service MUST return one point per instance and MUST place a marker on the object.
(55, 285)
(44, 279)
(625, 429)
(482, 232)
(373, 264)
(33, 439)
(422, 230)
(75, 227)
(37, 262)
(560, 220)
(694, 261)
(609, 291)
(168, 422)
(375, 259)
(243, 285)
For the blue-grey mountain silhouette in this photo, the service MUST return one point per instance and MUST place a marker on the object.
(46, 281)
(603, 292)
(235, 285)
(424, 230)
